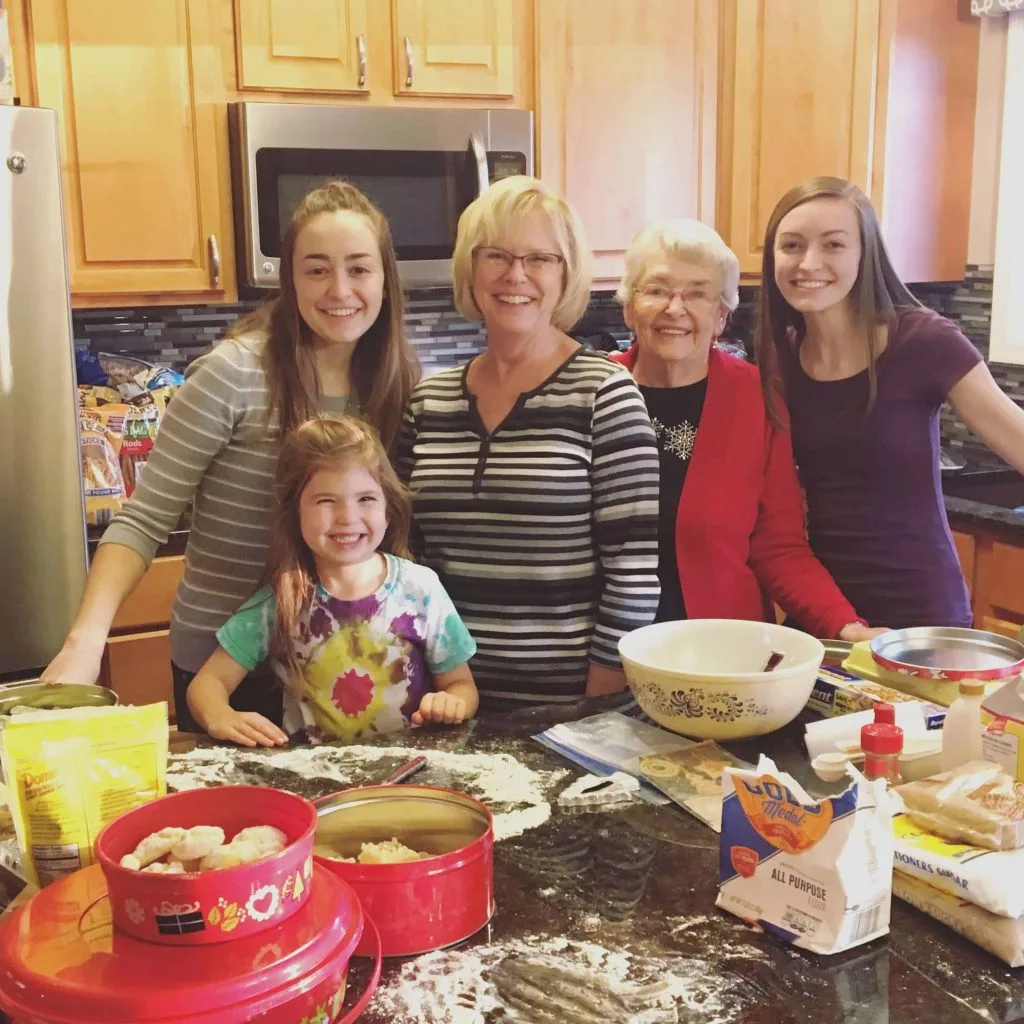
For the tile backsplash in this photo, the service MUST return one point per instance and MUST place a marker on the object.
(177, 335)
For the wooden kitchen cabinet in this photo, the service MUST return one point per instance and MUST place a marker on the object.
(993, 564)
(138, 668)
(626, 100)
(143, 151)
(880, 92)
(137, 659)
(445, 48)
(419, 47)
(309, 45)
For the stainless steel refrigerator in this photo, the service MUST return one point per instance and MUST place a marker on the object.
(43, 555)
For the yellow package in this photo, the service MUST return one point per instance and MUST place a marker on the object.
(71, 772)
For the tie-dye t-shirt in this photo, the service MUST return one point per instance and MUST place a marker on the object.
(366, 664)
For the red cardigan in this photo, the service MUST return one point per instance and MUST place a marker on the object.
(740, 527)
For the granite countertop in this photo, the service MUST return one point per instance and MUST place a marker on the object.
(979, 514)
(641, 882)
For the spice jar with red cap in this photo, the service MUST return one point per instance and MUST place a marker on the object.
(882, 743)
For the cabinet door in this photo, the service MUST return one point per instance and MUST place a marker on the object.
(138, 668)
(312, 45)
(798, 100)
(451, 48)
(142, 200)
(149, 604)
(626, 114)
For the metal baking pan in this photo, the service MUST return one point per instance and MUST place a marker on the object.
(946, 652)
(837, 651)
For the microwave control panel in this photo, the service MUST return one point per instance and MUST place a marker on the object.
(504, 164)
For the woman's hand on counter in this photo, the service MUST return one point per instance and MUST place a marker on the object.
(78, 661)
(856, 632)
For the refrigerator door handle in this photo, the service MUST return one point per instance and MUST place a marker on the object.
(211, 243)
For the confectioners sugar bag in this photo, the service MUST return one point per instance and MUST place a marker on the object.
(814, 873)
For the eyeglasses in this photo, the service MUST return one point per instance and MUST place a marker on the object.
(661, 296)
(501, 260)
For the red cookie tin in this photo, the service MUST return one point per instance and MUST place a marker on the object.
(211, 906)
(419, 905)
(63, 961)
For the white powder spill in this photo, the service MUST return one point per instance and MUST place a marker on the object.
(455, 986)
(516, 795)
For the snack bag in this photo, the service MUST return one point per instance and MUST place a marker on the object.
(101, 433)
(71, 772)
(140, 428)
(814, 873)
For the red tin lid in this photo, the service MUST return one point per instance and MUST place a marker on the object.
(61, 960)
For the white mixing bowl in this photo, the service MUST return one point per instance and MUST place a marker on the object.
(705, 678)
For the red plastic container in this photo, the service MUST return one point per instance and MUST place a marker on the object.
(62, 961)
(214, 906)
(420, 905)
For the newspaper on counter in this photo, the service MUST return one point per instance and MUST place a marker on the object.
(815, 873)
(691, 777)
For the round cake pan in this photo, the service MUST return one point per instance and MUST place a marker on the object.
(943, 652)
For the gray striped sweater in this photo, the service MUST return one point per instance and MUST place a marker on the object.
(216, 448)
(543, 532)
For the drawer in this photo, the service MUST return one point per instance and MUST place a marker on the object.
(137, 667)
(149, 604)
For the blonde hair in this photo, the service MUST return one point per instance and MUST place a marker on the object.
(318, 444)
(687, 240)
(486, 220)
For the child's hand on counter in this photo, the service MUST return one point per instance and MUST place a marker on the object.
(248, 728)
(440, 709)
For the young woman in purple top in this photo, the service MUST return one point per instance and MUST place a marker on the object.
(864, 370)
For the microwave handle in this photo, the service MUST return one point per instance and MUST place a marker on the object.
(479, 154)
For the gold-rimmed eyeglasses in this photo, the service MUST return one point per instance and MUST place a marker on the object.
(501, 260)
(661, 296)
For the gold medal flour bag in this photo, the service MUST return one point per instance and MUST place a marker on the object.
(816, 873)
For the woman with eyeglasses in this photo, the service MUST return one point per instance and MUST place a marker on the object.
(731, 526)
(533, 467)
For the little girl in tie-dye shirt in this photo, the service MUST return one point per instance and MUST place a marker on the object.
(363, 639)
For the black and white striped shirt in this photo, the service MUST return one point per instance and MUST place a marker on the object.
(544, 532)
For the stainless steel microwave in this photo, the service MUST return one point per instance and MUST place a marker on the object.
(421, 166)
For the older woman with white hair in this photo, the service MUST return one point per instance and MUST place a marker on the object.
(533, 468)
(731, 524)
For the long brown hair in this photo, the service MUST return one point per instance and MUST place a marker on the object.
(384, 368)
(322, 443)
(877, 296)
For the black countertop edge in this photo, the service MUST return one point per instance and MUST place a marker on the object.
(964, 512)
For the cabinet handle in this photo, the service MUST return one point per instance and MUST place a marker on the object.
(211, 244)
(409, 69)
(361, 51)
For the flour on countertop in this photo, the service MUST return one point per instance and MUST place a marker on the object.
(516, 795)
(455, 987)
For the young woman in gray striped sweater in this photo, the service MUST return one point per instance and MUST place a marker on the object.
(332, 341)
(533, 468)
